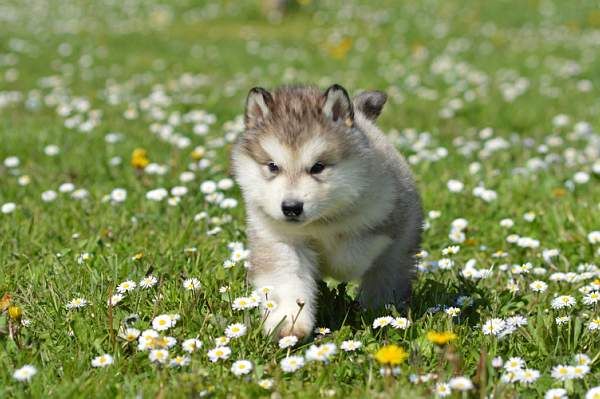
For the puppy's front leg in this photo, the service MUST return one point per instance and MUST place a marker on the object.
(289, 269)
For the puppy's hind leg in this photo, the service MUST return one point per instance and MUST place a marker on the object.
(389, 279)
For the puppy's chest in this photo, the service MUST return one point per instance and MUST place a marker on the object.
(347, 258)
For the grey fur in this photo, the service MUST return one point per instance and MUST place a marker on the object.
(363, 217)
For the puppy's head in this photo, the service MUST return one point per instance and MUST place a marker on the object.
(301, 158)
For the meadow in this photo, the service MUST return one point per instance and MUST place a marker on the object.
(122, 235)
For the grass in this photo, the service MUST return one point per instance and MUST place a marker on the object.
(452, 69)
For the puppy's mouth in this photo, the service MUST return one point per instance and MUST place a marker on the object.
(292, 220)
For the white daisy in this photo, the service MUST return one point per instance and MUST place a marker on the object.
(192, 284)
(461, 383)
(350, 345)
(288, 341)
(102, 361)
(401, 323)
(382, 321)
(291, 363)
(563, 301)
(163, 322)
(493, 326)
(25, 373)
(191, 345)
(126, 286)
(180, 361)
(235, 330)
(220, 352)
(159, 356)
(148, 281)
(241, 367)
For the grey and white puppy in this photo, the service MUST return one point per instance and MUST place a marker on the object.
(326, 194)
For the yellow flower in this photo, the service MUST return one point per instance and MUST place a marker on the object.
(559, 192)
(137, 256)
(391, 354)
(139, 158)
(15, 312)
(5, 302)
(441, 338)
(341, 49)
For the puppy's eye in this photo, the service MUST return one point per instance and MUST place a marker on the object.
(273, 168)
(317, 168)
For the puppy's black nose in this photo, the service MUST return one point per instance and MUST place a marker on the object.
(292, 209)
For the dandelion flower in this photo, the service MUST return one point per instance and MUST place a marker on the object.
(139, 158)
(391, 355)
(441, 338)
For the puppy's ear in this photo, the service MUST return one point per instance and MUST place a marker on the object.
(258, 106)
(370, 103)
(337, 105)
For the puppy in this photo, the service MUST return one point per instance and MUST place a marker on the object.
(326, 194)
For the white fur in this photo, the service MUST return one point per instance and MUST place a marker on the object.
(356, 196)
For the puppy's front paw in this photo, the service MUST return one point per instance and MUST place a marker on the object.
(280, 323)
